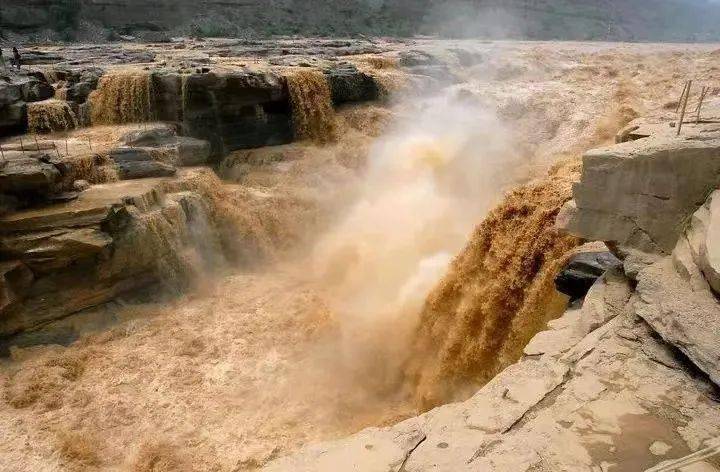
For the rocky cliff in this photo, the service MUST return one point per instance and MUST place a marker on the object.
(659, 20)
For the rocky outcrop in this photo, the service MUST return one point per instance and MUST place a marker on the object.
(236, 110)
(13, 110)
(348, 84)
(112, 239)
(581, 272)
(640, 194)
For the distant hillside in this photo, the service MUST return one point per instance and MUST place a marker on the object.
(629, 20)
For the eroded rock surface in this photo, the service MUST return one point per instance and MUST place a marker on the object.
(112, 239)
(638, 194)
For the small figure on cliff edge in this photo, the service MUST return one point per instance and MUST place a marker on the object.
(16, 55)
(2, 59)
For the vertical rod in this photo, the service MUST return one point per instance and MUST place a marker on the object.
(704, 92)
(682, 97)
(684, 107)
(22, 146)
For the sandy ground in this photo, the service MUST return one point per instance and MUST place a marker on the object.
(257, 364)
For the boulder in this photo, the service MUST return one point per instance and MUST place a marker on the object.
(139, 163)
(238, 110)
(348, 84)
(581, 272)
(81, 83)
(20, 174)
(639, 194)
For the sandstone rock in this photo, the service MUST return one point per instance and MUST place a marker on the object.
(157, 135)
(639, 194)
(704, 238)
(9, 93)
(13, 111)
(236, 110)
(172, 149)
(114, 238)
(167, 97)
(44, 252)
(348, 84)
(683, 314)
(139, 163)
(15, 279)
(80, 84)
(581, 272)
(35, 90)
(27, 174)
(192, 152)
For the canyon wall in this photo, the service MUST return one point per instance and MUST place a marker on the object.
(633, 20)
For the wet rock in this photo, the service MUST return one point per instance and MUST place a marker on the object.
(13, 111)
(163, 140)
(167, 89)
(348, 84)
(44, 252)
(15, 280)
(35, 90)
(27, 174)
(139, 163)
(9, 93)
(81, 83)
(156, 136)
(582, 271)
(639, 194)
(238, 110)
(113, 239)
(81, 185)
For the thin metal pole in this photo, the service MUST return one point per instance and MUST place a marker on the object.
(684, 107)
(704, 92)
(22, 146)
(680, 100)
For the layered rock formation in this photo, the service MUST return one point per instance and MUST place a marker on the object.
(113, 239)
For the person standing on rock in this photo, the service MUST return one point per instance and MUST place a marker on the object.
(16, 55)
(2, 59)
